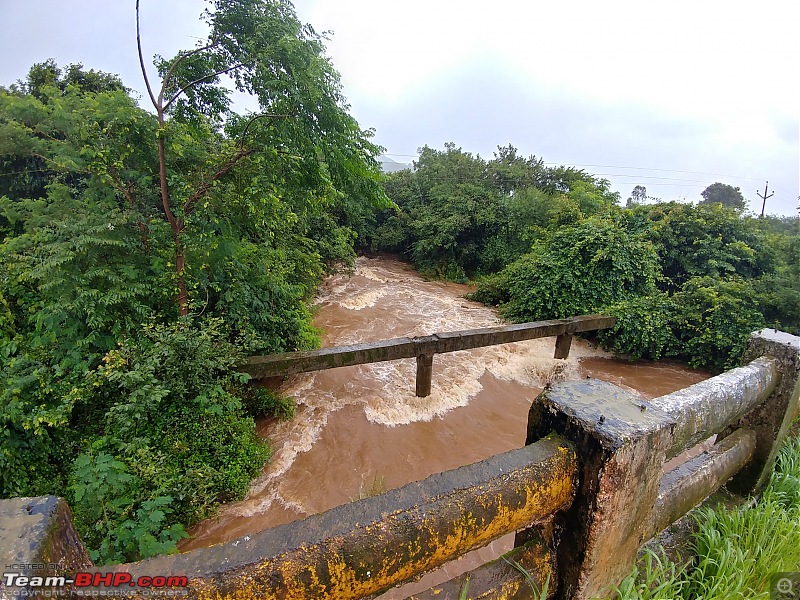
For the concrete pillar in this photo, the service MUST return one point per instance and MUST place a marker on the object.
(622, 441)
(38, 539)
(424, 375)
(772, 419)
(563, 343)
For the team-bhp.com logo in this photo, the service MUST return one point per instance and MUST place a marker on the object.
(19, 584)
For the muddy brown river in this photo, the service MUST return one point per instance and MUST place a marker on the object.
(362, 430)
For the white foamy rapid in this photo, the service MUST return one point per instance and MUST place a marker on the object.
(401, 303)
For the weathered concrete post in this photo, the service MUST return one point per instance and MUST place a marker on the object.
(772, 419)
(622, 441)
(38, 539)
(563, 344)
(424, 375)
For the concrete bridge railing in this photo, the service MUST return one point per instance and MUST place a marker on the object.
(582, 496)
(424, 348)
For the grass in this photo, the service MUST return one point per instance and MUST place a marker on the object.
(736, 551)
(538, 594)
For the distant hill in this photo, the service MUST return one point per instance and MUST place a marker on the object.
(390, 166)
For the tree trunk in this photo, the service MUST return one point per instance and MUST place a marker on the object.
(175, 224)
(180, 266)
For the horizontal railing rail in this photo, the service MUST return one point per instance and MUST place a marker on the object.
(709, 407)
(687, 485)
(370, 545)
(423, 348)
(623, 444)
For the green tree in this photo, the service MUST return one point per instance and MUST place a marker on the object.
(713, 319)
(461, 215)
(577, 270)
(511, 172)
(725, 194)
(302, 121)
(708, 239)
(143, 255)
(451, 215)
(638, 196)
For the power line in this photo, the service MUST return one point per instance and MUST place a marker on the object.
(653, 169)
(619, 167)
(648, 177)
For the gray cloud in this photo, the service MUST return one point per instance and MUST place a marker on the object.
(487, 106)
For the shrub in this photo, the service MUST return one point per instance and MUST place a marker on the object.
(713, 320)
(260, 402)
(578, 270)
(168, 439)
(643, 328)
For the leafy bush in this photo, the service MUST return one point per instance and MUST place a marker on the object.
(779, 301)
(259, 401)
(643, 328)
(704, 240)
(713, 319)
(166, 433)
(707, 323)
(492, 289)
(578, 270)
(117, 525)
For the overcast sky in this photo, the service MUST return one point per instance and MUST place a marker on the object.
(670, 95)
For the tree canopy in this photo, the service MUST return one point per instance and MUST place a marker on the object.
(146, 252)
(725, 194)
(461, 215)
(546, 242)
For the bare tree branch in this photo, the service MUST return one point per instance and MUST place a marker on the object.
(141, 58)
(196, 81)
(178, 61)
(255, 118)
(189, 205)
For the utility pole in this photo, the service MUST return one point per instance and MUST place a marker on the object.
(764, 198)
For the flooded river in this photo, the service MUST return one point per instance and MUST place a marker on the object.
(362, 430)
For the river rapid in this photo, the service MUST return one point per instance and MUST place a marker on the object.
(362, 430)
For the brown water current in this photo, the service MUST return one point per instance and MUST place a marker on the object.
(362, 430)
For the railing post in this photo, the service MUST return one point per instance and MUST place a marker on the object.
(424, 374)
(621, 442)
(772, 419)
(38, 539)
(563, 343)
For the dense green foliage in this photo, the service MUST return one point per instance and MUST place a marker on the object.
(549, 281)
(720, 278)
(458, 216)
(736, 551)
(685, 281)
(167, 430)
(127, 298)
